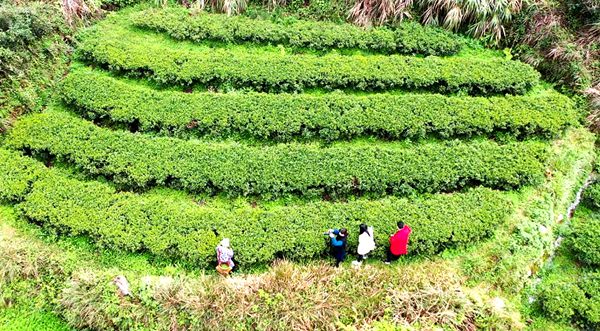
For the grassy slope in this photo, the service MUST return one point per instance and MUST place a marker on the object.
(30, 318)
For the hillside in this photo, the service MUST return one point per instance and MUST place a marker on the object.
(173, 129)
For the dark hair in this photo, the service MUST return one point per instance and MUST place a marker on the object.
(400, 225)
(344, 232)
(362, 229)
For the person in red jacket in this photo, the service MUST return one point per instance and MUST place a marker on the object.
(398, 243)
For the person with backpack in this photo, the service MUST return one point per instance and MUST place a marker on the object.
(225, 262)
(339, 242)
(398, 243)
(366, 243)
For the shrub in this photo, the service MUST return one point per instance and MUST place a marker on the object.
(561, 298)
(17, 175)
(572, 298)
(343, 168)
(167, 62)
(179, 228)
(23, 29)
(407, 37)
(332, 116)
(590, 284)
(585, 239)
(591, 196)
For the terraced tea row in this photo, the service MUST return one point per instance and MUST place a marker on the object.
(407, 37)
(181, 229)
(331, 116)
(344, 168)
(169, 62)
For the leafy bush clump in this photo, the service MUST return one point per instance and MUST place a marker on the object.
(22, 28)
(170, 63)
(343, 168)
(332, 116)
(407, 37)
(560, 298)
(591, 196)
(585, 239)
(181, 229)
(17, 175)
(571, 298)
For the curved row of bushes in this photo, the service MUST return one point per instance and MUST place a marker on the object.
(343, 168)
(171, 63)
(330, 117)
(180, 229)
(407, 37)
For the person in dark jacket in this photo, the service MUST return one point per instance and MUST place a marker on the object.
(398, 243)
(339, 240)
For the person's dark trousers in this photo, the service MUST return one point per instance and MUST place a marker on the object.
(391, 257)
(339, 259)
(360, 258)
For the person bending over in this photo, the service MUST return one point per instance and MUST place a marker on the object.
(339, 239)
(225, 262)
(398, 243)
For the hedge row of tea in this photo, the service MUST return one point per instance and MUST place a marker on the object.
(407, 37)
(239, 67)
(183, 230)
(330, 117)
(237, 169)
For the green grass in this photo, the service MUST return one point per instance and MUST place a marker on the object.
(29, 318)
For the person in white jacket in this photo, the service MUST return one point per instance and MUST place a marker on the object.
(366, 242)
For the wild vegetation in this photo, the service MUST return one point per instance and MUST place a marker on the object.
(569, 292)
(32, 57)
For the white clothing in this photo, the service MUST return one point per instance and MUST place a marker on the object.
(366, 242)
(225, 255)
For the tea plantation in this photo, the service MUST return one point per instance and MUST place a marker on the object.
(174, 129)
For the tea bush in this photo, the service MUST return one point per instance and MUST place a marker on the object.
(572, 298)
(181, 229)
(239, 67)
(408, 37)
(591, 196)
(332, 116)
(238, 169)
(585, 238)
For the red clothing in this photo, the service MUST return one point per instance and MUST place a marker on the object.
(399, 241)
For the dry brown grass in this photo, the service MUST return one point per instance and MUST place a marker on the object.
(288, 296)
(377, 12)
(21, 259)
